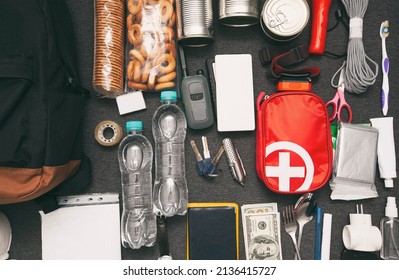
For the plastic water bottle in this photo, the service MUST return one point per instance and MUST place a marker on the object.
(169, 130)
(138, 224)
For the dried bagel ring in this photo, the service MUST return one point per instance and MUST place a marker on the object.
(166, 10)
(172, 20)
(170, 49)
(162, 86)
(132, 19)
(134, 6)
(134, 34)
(152, 2)
(166, 63)
(137, 72)
(130, 70)
(137, 86)
(167, 78)
(167, 34)
(151, 80)
(136, 55)
(143, 52)
(146, 72)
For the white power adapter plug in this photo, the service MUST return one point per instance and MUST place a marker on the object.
(360, 234)
(5, 236)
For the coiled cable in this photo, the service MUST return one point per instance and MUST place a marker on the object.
(339, 19)
(359, 75)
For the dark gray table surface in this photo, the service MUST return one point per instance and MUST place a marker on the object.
(25, 219)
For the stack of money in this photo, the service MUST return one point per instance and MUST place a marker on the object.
(261, 226)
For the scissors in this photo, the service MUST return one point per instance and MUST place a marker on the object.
(338, 103)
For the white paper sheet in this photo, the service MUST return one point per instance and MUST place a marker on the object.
(130, 102)
(83, 232)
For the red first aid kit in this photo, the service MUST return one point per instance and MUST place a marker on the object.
(293, 139)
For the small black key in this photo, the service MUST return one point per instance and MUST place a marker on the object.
(210, 170)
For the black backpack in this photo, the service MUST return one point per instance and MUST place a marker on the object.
(41, 104)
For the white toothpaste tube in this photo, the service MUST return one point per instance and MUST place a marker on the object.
(385, 149)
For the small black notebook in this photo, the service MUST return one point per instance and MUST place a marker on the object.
(212, 231)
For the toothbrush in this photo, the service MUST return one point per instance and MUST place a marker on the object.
(384, 33)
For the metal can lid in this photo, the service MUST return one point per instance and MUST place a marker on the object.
(285, 18)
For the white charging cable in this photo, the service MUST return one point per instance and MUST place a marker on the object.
(358, 75)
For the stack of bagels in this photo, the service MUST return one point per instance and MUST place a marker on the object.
(151, 50)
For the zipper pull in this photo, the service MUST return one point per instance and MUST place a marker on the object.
(72, 86)
(259, 100)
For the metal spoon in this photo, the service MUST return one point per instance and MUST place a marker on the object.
(304, 209)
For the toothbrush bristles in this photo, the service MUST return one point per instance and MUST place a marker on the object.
(385, 27)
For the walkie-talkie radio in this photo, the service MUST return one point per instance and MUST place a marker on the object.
(196, 97)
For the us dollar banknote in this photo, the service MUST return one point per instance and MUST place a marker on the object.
(261, 228)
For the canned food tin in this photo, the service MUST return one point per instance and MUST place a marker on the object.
(237, 13)
(194, 22)
(284, 20)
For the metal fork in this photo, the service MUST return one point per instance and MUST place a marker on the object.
(291, 226)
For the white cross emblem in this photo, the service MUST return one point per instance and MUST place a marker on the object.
(284, 171)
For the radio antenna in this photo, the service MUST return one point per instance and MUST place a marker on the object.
(183, 61)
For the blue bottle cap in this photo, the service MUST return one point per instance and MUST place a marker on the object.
(168, 95)
(134, 125)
